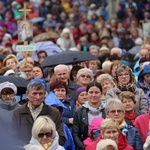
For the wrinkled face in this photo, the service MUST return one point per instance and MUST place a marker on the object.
(84, 80)
(60, 93)
(82, 97)
(45, 137)
(10, 63)
(128, 104)
(62, 74)
(111, 133)
(106, 85)
(8, 97)
(116, 113)
(35, 97)
(147, 78)
(94, 95)
(37, 72)
(124, 77)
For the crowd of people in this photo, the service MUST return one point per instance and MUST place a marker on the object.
(101, 104)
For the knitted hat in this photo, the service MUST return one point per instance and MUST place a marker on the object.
(106, 142)
(85, 71)
(80, 90)
(9, 72)
(40, 80)
(8, 85)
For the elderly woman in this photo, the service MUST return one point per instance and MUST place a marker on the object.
(125, 81)
(106, 82)
(84, 115)
(7, 102)
(115, 110)
(128, 100)
(44, 134)
(84, 77)
(110, 130)
(61, 92)
(144, 82)
(11, 62)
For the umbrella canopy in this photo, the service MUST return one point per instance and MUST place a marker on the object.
(20, 83)
(45, 36)
(67, 57)
(48, 46)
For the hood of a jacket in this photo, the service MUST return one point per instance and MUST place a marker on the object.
(54, 145)
(145, 70)
(122, 142)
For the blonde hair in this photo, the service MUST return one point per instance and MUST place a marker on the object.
(10, 56)
(26, 65)
(105, 143)
(43, 124)
(104, 77)
(108, 124)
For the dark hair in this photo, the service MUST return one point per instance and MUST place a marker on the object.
(75, 69)
(42, 51)
(94, 83)
(7, 91)
(58, 84)
(41, 70)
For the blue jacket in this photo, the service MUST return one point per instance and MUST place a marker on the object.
(133, 137)
(69, 112)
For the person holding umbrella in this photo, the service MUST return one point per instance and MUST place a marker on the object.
(7, 103)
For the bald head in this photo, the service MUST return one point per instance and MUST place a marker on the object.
(62, 72)
(144, 53)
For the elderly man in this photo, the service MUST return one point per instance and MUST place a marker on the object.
(62, 73)
(94, 50)
(24, 117)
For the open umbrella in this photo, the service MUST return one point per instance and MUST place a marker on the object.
(67, 57)
(20, 83)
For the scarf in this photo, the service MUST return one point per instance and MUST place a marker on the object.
(131, 116)
(123, 127)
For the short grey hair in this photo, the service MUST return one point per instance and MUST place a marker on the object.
(36, 86)
(60, 67)
(112, 102)
(94, 47)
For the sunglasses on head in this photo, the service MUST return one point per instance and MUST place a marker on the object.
(47, 134)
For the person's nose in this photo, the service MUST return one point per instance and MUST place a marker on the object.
(37, 96)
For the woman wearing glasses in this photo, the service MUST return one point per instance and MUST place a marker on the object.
(125, 81)
(115, 110)
(7, 103)
(44, 134)
(84, 77)
(110, 130)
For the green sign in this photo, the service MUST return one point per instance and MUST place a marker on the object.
(26, 48)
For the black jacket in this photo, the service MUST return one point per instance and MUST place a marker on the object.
(80, 126)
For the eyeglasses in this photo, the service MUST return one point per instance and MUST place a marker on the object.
(87, 76)
(47, 134)
(115, 111)
(26, 71)
(121, 75)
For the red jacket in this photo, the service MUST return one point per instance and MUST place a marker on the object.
(122, 144)
(142, 124)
